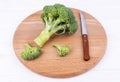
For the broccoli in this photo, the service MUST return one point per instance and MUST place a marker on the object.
(58, 19)
(30, 53)
(62, 50)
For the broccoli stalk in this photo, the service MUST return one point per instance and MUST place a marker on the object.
(58, 19)
(62, 50)
(30, 53)
(43, 37)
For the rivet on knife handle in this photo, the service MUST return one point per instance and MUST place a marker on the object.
(85, 47)
(86, 55)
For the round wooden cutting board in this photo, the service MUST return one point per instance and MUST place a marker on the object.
(49, 63)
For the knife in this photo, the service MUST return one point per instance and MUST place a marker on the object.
(86, 55)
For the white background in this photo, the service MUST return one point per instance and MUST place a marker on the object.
(12, 12)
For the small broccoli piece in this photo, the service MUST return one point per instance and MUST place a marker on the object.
(62, 50)
(58, 19)
(30, 53)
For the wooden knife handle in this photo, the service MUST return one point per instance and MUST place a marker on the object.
(85, 47)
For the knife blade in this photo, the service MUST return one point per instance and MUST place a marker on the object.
(86, 55)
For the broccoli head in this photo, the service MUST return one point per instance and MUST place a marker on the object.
(30, 53)
(58, 19)
(62, 50)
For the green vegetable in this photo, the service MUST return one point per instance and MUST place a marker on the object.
(58, 19)
(62, 50)
(30, 53)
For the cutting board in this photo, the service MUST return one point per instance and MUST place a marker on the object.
(49, 63)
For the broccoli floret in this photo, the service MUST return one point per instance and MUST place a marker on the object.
(62, 50)
(30, 53)
(58, 19)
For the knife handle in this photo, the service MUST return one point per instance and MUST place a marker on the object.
(85, 47)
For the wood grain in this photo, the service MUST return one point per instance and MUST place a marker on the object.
(49, 63)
